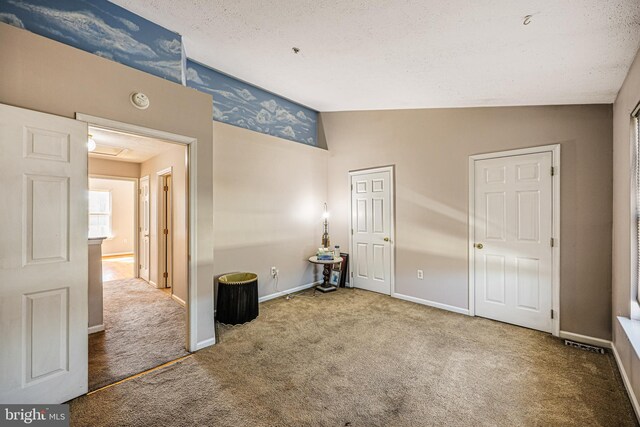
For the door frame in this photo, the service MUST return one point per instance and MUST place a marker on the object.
(162, 220)
(136, 235)
(392, 228)
(191, 174)
(554, 149)
(147, 180)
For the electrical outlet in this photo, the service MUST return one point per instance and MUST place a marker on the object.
(274, 272)
(420, 274)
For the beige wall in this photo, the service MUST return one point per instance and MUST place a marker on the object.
(269, 194)
(106, 167)
(122, 237)
(175, 158)
(430, 150)
(43, 75)
(623, 226)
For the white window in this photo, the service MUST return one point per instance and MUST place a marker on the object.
(635, 202)
(99, 213)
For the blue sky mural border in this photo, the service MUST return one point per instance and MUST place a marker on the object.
(104, 29)
(110, 31)
(247, 106)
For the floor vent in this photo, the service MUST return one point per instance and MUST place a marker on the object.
(586, 347)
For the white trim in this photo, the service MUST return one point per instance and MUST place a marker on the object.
(555, 232)
(165, 171)
(288, 291)
(631, 328)
(627, 383)
(392, 232)
(96, 328)
(154, 284)
(178, 300)
(585, 339)
(115, 254)
(203, 344)
(192, 343)
(439, 305)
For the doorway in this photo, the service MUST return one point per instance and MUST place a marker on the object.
(165, 223)
(132, 340)
(372, 229)
(112, 207)
(514, 220)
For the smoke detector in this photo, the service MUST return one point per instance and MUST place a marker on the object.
(140, 100)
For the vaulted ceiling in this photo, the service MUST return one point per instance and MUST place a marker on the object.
(364, 55)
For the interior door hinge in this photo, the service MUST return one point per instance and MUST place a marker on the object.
(352, 274)
(553, 242)
(165, 274)
(553, 170)
(166, 188)
(552, 313)
(165, 231)
(352, 231)
(351, 187)
(140, 191)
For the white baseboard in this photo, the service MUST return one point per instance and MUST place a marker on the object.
(288, 291)
(96, 328)
(155, 285)
(432, 303)
(206, 343)
(585, 339)
(117, 254)
(178, 300)
(627, 383)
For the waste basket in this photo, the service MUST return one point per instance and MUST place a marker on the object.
(237, 298)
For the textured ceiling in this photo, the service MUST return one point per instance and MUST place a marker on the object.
(364, 55)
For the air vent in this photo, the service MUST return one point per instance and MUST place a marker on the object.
(106, 150)
(585, 347)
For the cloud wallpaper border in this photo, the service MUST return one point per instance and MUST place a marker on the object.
(102, 28)
(241, 104)
(110, 31)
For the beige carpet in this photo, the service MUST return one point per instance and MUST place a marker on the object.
(144, 329)
(355, 358)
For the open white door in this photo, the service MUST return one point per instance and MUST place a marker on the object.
(371, 230)
(43, 257)
(144, 228)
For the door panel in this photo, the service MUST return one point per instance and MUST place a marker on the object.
(43, 257)
(144, 239)
(513, 222)
(371, 225)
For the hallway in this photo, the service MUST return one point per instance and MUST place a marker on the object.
(145, 328)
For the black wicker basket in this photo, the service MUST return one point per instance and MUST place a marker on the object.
(237, 298)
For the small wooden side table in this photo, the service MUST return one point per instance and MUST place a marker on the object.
(326, 273)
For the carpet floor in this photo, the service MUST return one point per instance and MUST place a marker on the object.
(356, 358)
(144, 328)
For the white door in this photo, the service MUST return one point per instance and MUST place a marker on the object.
(512, 236)
(43, 257)
(371, 229)
(144, 228)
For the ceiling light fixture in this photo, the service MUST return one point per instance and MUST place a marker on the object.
(91, 143)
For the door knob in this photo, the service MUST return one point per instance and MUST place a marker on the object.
(479, 245)
(386, 239)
